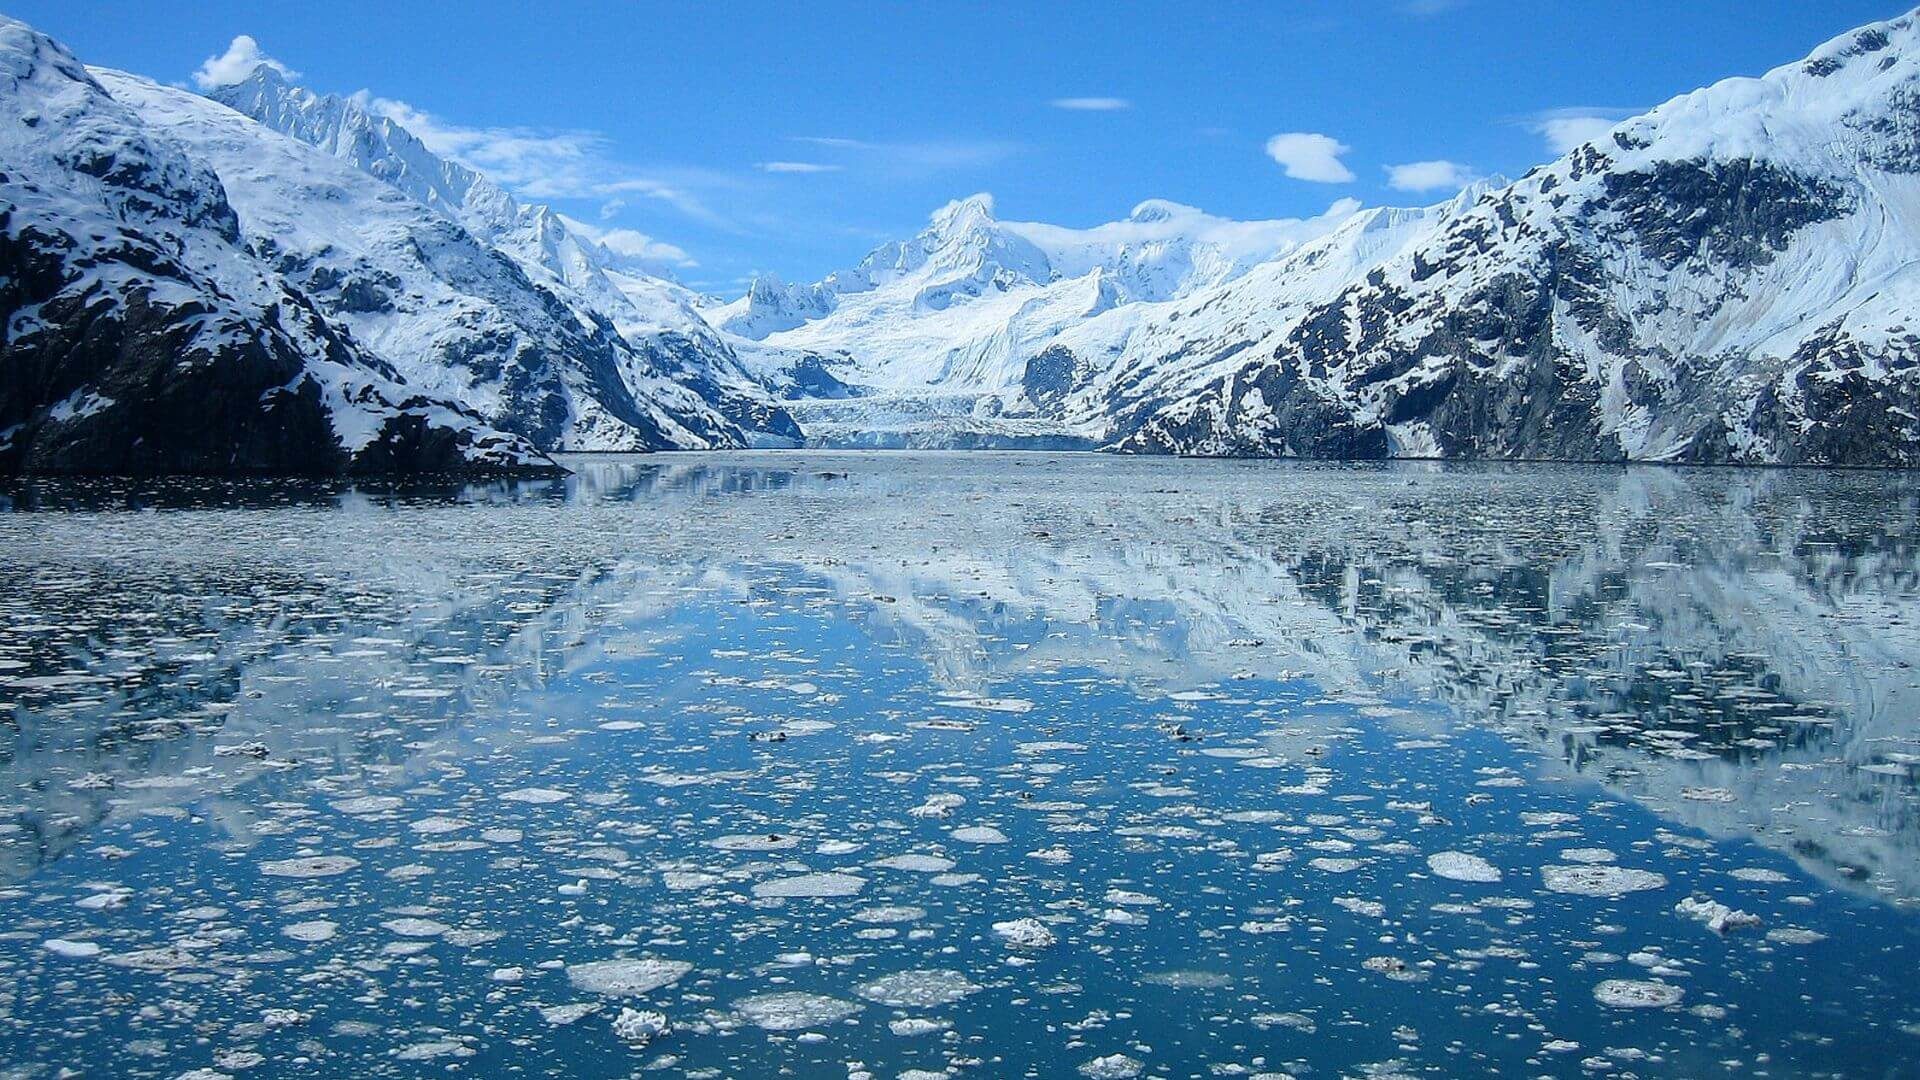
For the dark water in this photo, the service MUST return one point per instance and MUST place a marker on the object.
(973, 765)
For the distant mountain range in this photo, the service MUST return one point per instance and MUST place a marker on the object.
(269, 279)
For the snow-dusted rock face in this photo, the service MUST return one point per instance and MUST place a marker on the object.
(1729, 278)
(143, 335)
(687, 389)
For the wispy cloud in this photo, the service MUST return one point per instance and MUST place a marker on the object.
(797, 167)
(1565, 128)
(632, 244)
(1306, 155)
(1430, 176)
(915, 158)
(243, 55)
(554, 164)
(1092, 104)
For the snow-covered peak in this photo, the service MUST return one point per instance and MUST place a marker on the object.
(1866, 82)
(961, 216)
(771, 305)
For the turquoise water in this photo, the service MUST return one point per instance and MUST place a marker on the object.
(970, 765)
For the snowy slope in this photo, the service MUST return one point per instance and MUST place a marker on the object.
(674, 365)
(1730, 277)
(142, 333)
(452, 315)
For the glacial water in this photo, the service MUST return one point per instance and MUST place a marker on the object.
(971, 765)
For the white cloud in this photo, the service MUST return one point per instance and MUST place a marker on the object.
(796, 167)
(632, 244)
(548, 164)
(1430, 176)
(242, 56)
(1092, 104)
(1309, 156)
(1564, 129)
(1077, 251)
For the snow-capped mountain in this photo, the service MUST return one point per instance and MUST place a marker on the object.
(927, 340)
(680, 374)
(144, 334)
(1730, 277)
(1727, 278)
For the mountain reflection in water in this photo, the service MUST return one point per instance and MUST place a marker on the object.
(1732, 651)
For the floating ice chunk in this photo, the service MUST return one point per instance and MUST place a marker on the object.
(1599, 880)
(1590, 856)
(1005, 705)
(638, 1027)
(916, 1026)
(684, 880)
(1719, 917)
(980, 834)
(76, 950)
(369, 804)
(922, 864)
(1759, 874)
(1794, 935)
(1028, 933)
(311, 866)
(1637, 994)
(626, 978)
(1335, 866)
(437, 826)
(1049, 747)
(106, 899)
(562, 1015)
(892, 913)
(535, 796)
(312, 932)
(1187, 979)
(1112, 1067)
(794, 1010)
(755, 842)
(415, 927)
(939, 804)
(1460, 866)
(918, 989)
(811, 885)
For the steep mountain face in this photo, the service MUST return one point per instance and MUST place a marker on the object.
(143, 335)
(679, 374)
(928, 341)
(1729, 278)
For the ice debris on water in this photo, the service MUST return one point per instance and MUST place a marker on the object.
(1027, 933)
(1600, 880)
(1460, 866)
(794, 1010)
(626, 978)
(1637, 994)
(1718, 917)
(638, 1027)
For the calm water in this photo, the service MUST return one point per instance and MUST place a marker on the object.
(974, 765)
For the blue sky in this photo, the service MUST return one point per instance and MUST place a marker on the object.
(790, 137)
